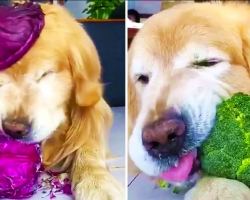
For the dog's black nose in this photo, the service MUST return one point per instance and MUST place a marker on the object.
(16, 129)
(165, 136)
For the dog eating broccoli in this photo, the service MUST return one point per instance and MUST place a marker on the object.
(226, 152)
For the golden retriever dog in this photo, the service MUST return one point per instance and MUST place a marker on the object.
(181, 64)
(55, 89)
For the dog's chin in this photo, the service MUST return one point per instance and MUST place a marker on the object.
(192, 180)
(28, 140)
(31, 138)
(187, 172)
(34, 138)
(184, 171)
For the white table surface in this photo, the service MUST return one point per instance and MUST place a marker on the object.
(141, 188)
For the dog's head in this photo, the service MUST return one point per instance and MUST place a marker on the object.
(38, 94)
(182, 64)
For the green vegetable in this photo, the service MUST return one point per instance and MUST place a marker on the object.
(176, 190)
(165, 185)
(226, 152)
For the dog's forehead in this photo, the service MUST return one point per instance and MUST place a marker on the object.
(190, 32)
(32, 68)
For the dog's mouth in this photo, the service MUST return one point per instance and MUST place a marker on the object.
(19, 137)
(188, 165)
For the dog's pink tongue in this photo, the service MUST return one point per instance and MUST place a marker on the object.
(181, 172)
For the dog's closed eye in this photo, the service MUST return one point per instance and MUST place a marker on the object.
(206, 62)
(45, 74)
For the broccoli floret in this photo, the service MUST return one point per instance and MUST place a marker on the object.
(175, 190)
(163, 184)
(226, 152)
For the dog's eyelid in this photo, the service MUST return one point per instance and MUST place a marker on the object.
(207, 62)
(45, 74)
(136, 75)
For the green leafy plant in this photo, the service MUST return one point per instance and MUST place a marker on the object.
(98, 9)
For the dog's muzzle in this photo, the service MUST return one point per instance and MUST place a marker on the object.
(165, 136)
(16, 128)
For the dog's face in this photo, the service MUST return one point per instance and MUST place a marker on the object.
(38, 93)
(182, 64)
(33, 98)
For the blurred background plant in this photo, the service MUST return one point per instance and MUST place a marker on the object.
(102, 9)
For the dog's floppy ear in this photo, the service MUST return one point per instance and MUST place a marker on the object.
(86, 70)
(133, 109)
(87, 123)
(89, 116)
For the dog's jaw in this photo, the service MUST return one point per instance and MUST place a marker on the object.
(199, 112)
(44, 125)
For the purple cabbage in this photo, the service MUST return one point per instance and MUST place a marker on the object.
(20, 26)
(19, 168)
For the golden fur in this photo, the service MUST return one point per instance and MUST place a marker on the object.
(210, 188)
(59, 78)
(226, 28)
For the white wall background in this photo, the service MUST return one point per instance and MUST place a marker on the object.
(76, 8)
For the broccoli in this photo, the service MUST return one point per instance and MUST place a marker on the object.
(175, 190)
(163, 184)
(226, 152)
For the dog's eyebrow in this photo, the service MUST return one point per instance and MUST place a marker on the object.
(36, 74)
